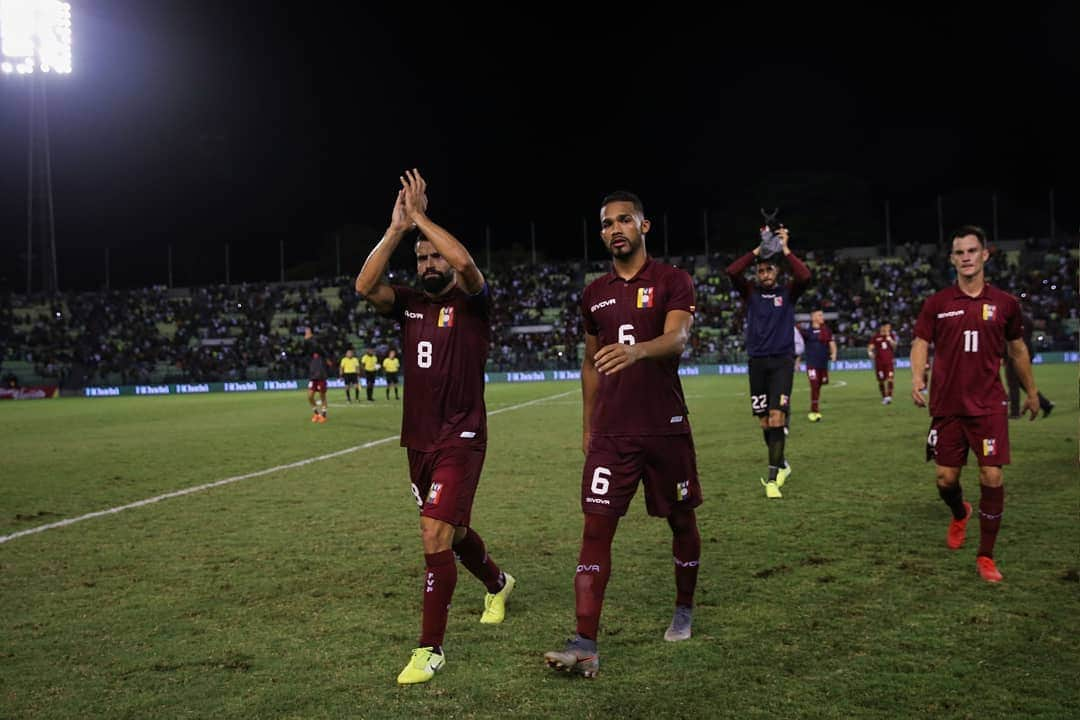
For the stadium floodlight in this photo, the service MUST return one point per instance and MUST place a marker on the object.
(35, 35)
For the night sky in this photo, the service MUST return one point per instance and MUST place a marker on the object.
(195, 124)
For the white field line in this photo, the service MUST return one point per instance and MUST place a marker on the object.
(238, 478)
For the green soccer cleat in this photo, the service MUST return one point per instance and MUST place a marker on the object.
(814, 417)
(422, 666)
(495, 603)
(783, 474)
(771, 489)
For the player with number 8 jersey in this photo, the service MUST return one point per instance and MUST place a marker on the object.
(446, 329)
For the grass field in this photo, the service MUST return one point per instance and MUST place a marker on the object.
(296, 593)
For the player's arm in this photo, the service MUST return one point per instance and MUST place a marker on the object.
(590, 382)
(370, 283)
(920, 350)
(871, 349)
(800, 274)
(832, 350)
(736, 272)
(610, 359)
(1021, 360)
(415, 188)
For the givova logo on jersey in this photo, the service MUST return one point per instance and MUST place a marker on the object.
(446, 317)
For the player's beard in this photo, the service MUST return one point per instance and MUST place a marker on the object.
(627, 250)
(435, 283)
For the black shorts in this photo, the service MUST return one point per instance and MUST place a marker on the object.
(369, 377)
(350, 378)
(391, 378)
(770, 383)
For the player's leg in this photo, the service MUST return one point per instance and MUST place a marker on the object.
(369, 385)
(889, 375)
(880, 372)
(779, 395)
(455, 478)
(322, 400)
(686, 552)
(672, 491)
(311, 402)
(608, 483)
(947, 446)
(439, 518)
(989, 437)
(814, 376)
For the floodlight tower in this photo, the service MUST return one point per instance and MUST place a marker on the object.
(35, 40)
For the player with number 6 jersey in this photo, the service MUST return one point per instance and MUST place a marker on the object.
(636, 428)
(446, 329)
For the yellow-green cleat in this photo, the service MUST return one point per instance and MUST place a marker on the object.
(495, 603)
(783, 474)
(771, 490)
(422, 666)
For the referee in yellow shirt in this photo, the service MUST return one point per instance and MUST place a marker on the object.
(391, 366)
(371, 366)
(350, 373)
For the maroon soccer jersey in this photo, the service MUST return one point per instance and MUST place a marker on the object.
(444, 350)
(969, 335)
(645, 398)
(883, 350)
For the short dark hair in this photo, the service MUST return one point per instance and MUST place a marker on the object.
(625, 196)
(965, 230)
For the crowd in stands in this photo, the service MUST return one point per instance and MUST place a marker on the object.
(221, 333)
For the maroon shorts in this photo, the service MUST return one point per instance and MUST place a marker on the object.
(444, 482)
(665, 463)
(819, 374)
(318, 386)
(950, 438)
(885, 371)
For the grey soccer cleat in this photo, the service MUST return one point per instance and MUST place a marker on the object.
(679, 629)
(580, 656)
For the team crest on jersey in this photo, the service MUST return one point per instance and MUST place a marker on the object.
(784, 399)
(989, 446)
(989, 311)
(645, 297)
(446, 317)
(682, 490)
(434, 493)
(778, 301)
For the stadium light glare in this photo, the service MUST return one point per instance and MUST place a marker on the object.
(35, 33)
(7, 67)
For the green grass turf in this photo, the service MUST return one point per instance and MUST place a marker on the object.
(296, 594)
